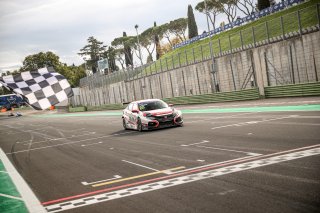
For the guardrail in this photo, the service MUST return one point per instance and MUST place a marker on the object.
(249, 94)
(293, 90)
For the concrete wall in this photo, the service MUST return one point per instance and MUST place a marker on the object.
(287, 62)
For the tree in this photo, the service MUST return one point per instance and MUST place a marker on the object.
(192, 25)
(157, 41)
(110, 54)
(229, 7)
(178, 28)
(72, 73)
(40, 60)
(262, 4)
(118, 45)
(246, 6)
(147, 41)
(127, 52)
(214, 9)
(94, 49)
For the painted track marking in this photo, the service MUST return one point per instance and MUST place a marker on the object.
(253, 122)
(135, 177)
(91, 144)
(230, 150)
(204, 141)
(141, 165)
(10, 196)
(114, 178)
(110, 194)
(67, 143)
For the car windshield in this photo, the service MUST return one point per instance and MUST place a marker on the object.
(152, 105)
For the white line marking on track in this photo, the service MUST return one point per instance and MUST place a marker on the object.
(114, 178)
(214, 118)
(91, 144)
(204, 141)
(68, 143)
(212, 164)
(141, 165)
(253, 122)
(4, 171)
(230, 150)
(56, 139)
(226, 192)
(188, 178)
(9, 196)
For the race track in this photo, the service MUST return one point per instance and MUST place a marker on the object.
(256, 156)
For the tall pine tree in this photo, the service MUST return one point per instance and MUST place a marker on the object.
(127, 53)
(192, 25)
(157, 42)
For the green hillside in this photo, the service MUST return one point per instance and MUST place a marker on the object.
(248, 34)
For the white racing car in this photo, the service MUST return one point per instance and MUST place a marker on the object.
(150, 114)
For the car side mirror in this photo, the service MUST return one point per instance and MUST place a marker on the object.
(135, 111)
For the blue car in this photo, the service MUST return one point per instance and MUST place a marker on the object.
(11, 101)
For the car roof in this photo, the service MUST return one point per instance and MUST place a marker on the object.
(146, 100)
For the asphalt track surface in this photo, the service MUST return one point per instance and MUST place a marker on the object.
(254, 160)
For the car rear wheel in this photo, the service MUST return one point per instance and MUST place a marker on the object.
(139, 125)
(124, 124)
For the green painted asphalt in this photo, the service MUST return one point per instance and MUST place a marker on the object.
(314, 107)
(7, 204)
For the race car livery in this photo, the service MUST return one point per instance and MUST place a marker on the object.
(150, 114)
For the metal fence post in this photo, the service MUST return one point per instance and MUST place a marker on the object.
(201, 52)
(241, 40)
(185, 52)
(150, 70)
(194, 57)
(282, 28)
(220, 47)
(267, 31)
(155, 66)
(171, 84)
(172, 62)
(299, 22)
(167, 63)
(253, 37)
(230, 43)
(179, 59)
(267, 69)
(184, 83)
(160, 65)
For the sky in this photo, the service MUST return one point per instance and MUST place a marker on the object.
(63, 26)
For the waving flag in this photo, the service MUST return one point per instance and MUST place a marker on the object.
(41, 89)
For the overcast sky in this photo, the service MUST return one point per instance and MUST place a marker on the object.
(63, 26)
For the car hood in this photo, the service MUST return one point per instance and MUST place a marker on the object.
(164, 111)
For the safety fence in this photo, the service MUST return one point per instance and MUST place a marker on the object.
(280, 28)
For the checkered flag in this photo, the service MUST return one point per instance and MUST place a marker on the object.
(41, 89)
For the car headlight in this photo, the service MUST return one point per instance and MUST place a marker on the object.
(176, 113)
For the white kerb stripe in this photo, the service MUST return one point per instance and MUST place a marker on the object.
(31, 201)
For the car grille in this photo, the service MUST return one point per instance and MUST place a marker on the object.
(164, 118)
